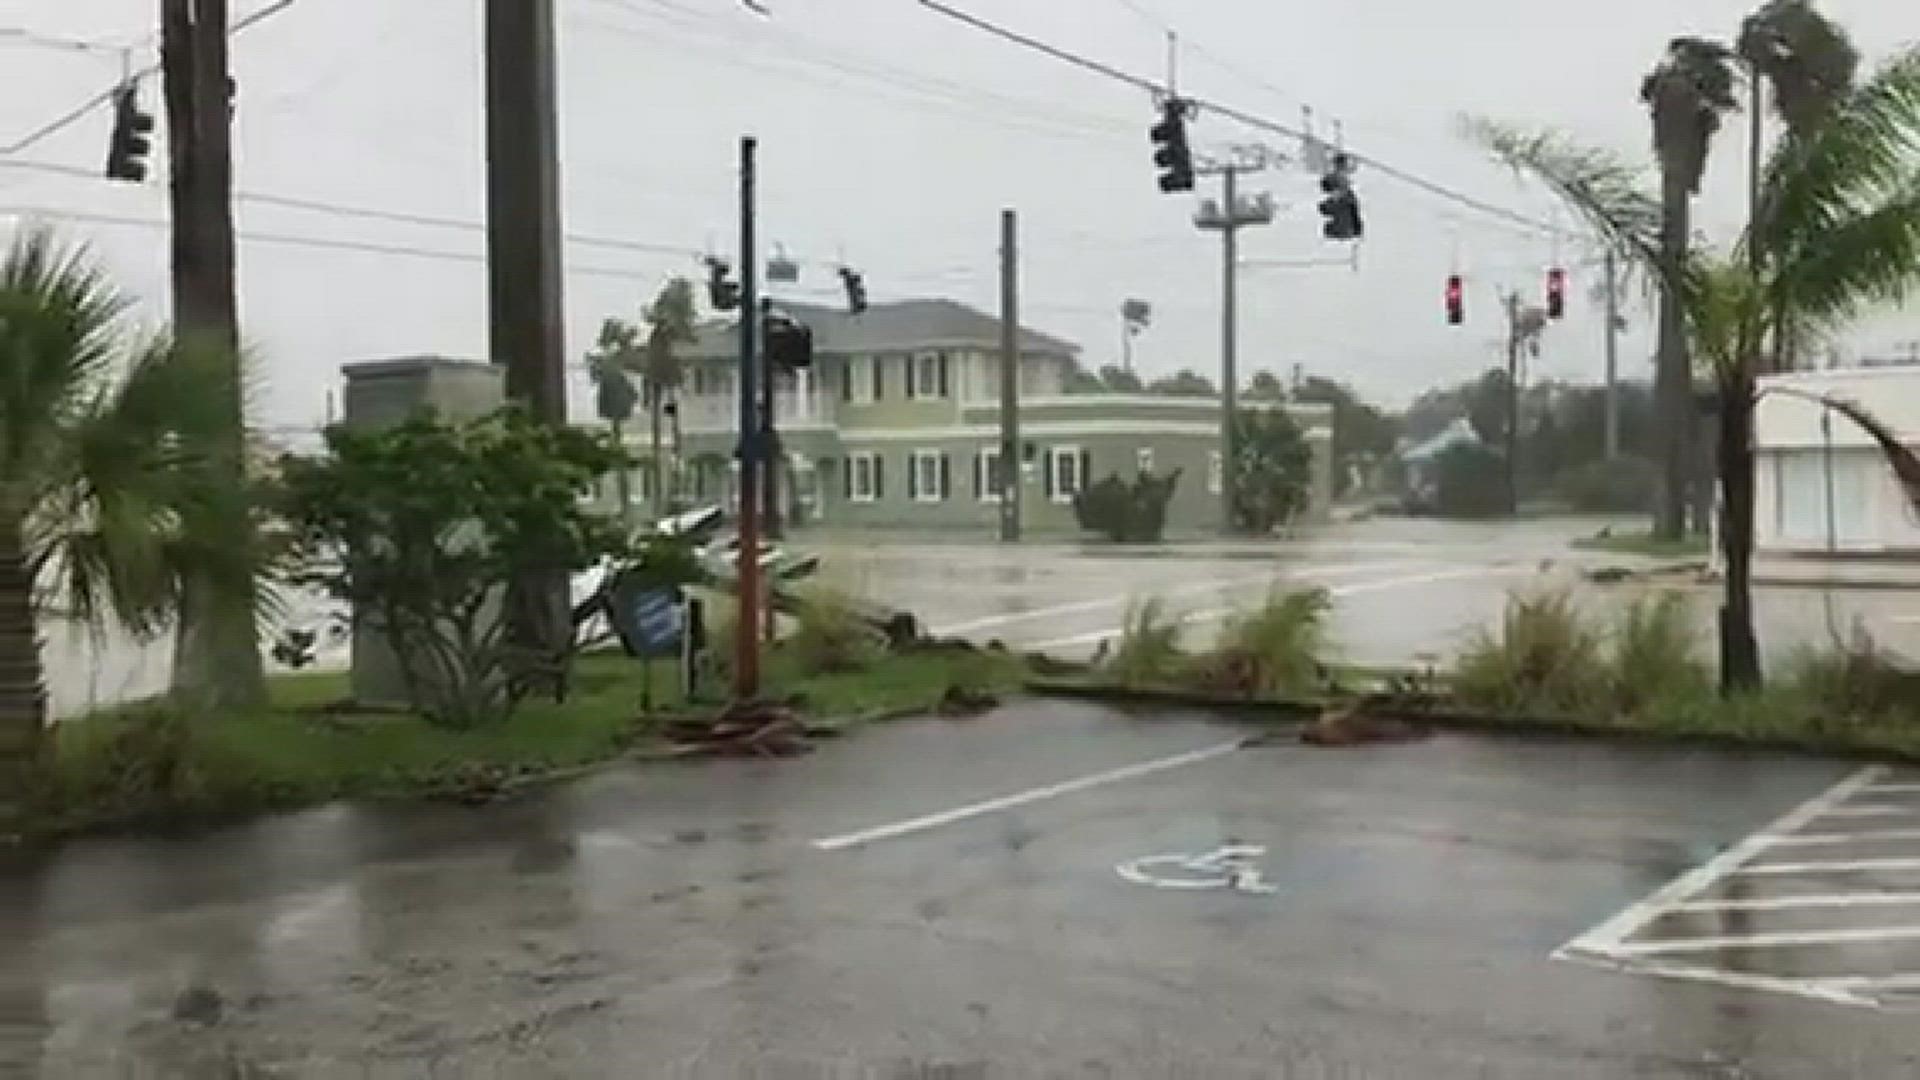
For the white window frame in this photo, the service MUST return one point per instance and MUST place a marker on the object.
(871, 461)
(923, 492)
(924, 370)
(1216, 473)
(986, 462)
(1143, 459)
(1061, 493)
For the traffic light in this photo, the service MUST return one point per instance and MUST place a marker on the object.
(1456, 300)
(1171, 151)
(789, 343)
(856, 287)
(1341, 207)
(132, 137)
(722, 291)
(1556, 293)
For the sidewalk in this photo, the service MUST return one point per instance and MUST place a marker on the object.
(1823, 572)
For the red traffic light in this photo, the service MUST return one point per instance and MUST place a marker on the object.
(1456, 300)
(1556, 293)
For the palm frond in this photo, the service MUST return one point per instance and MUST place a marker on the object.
(1807, 58)
(1866, 259)
(1726, 320)
(1865, 155)
(1688, 92)
(59, 318)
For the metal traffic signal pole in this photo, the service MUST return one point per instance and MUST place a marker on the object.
(1009, 376)
(746, 630)
(1228, 219)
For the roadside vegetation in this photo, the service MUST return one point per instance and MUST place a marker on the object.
(1645, 545)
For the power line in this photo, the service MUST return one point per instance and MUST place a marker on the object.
(297, 240)
(1250, 119)
(74, 115)
(37, 40)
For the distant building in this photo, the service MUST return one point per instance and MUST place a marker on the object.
(1421, 459)
(1821, 483)
(898, 426)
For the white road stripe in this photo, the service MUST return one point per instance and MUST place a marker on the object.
(1891, 789)
(1836, 866)
(1304, 571)
(1667, 969)
(1605, 939)
(1864, 810)
(1338, 591)
(1870, 983)
(1784, 939)
(1008, 802)
(1793, 903)
(1866, 836)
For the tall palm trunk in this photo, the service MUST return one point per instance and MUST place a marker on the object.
(622, 477)
(656, 394)
(23, 694)
(1739, 649)
(1673, 386)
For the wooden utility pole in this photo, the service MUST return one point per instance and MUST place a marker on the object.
(216, 657)
(1513, 404)
(1009, 376)
(1613, 356)
(746, 644)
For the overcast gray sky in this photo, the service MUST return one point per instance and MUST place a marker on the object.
(892, 138)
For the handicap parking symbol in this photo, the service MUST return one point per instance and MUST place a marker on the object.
(1228, 867)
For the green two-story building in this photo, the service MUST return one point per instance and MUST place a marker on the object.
(897, 426)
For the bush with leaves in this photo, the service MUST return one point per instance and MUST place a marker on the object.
(1149, 651)
(832, 637)
(1623, 485)
(1470, 481)
(1656, 656)
(1853, 681)
(1545, 659)
(1272, 651)
(421, 526)
(1126, 513)
(1272, 470)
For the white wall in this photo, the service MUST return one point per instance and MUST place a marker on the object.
(1821, 485)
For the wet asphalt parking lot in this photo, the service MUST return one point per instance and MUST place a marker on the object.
(1051, 890)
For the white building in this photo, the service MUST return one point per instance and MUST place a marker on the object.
(1822, 484)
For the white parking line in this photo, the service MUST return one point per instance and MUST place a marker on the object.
(1836, 866)
(1338, 591)
(1008, 802)
(1785, 939)
(1304, 571)
(1891, 789)
(1825, 839)
(1864, 810)
(1797, 903)
(1606, 939)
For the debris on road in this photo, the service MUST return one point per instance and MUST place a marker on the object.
(1360, 724)
(747, 729)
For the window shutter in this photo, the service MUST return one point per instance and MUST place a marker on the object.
(945, 390)
(1086, 471)
(878, 366)
(1046, 471)
(979, 478)
(879, 477)
(846, 380)
(910, 361)
(946, 477)
(847, 478)
(913, 476)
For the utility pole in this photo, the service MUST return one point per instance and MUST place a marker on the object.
(746, 644)
(1513, 404)
(1009, 376)
(217, 658)
(1613, 355)
(770, 457)
(526, 333)
(1232, 215)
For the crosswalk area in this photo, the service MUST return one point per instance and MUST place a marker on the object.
(1824, 903)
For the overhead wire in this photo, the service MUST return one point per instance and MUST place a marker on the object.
(1242, 116)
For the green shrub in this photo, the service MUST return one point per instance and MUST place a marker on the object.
(1544, 659)
(831, 636)
(1149, 651)
(1656, 655)
(1470, 482)
(1622, 485)
(1126, 513)
(1272, 651)
(1851, 683)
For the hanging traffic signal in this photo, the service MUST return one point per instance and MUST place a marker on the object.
(789, 343)
(132, 137)
(1456, 300)
(856, 286)
(1556, 293)
(1341, 207)
(1172, 153)
(722, 291)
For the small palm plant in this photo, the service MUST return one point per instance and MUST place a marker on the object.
(107, 458)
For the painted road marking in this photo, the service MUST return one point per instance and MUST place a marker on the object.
(1079, 606)
(1337, 592)
(1892, 789)
(1836, 866)
(1008, 802)
(1230, 867)
(1823, 839)
(1795, 903)
(1864, 810)
(1785, 939)
(1606, 938)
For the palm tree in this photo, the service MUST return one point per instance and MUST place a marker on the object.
(105, 469)
(610, 363)
(1687, 93)
(1836, 230)
(1808, 60)
(670, 322)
